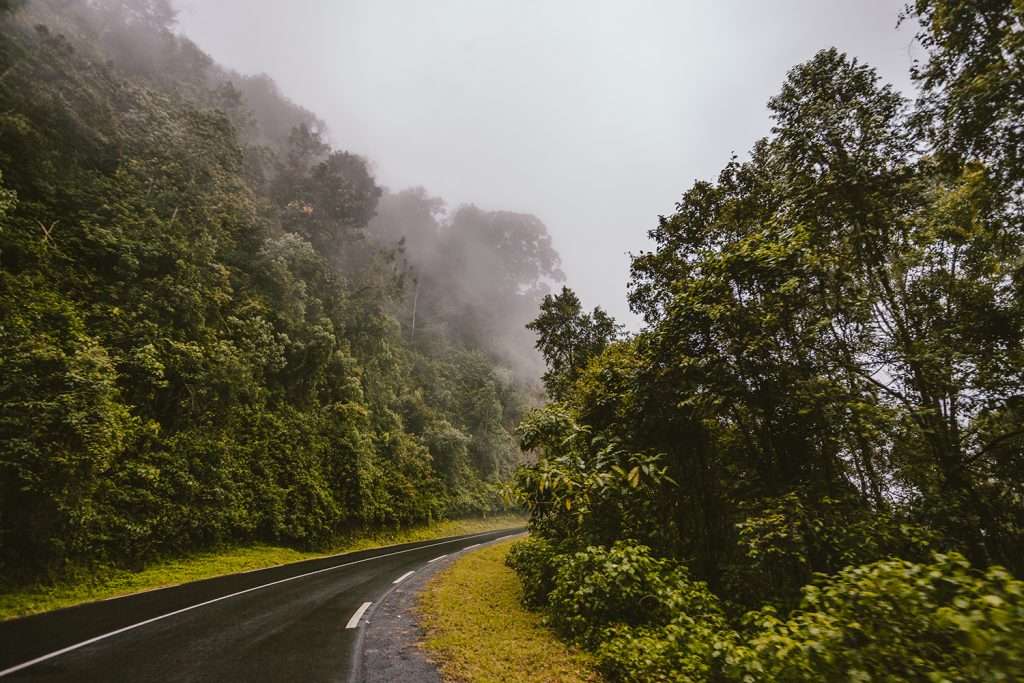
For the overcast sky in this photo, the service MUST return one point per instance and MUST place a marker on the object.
(593, 115)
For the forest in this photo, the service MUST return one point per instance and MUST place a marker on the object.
(809, 464)
(219, 329)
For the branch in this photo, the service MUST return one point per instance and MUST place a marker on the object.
(993, 444)
(889, 390)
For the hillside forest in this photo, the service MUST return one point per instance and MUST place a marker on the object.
(809, 464)
(215, 327)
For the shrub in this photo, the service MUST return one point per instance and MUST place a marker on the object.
(690, 649)
(895, 621)
(645, 617)
(624, 585)
(534, 560)
(598, 587)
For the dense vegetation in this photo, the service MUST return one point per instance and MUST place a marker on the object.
(809, 465)
(205, 336)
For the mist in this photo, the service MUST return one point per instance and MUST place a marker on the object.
(593, 116)
(722, 302)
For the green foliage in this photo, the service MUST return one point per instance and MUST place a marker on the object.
(599, 587)
(536, 561)
(568, 338)
(645, 617)
(783, 541)
(830, 377)
(11, 5)
(198, 345)
(63, 424)
(970, 104)
(893, 620)
(586, 489)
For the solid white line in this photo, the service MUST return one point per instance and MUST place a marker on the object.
(403, 577)
(470, 547)
(90, 641)
(437, 558)
(354, 621)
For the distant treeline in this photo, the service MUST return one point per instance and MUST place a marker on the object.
(201, 340)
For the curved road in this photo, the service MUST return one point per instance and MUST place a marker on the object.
(296, 622)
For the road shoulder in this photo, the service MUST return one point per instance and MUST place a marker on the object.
(477, 629)
(390, 649)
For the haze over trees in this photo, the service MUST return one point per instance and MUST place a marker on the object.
(207, 336)
(477, 275)
(809, 465)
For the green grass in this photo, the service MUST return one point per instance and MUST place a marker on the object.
(479, 632)
(110, 583)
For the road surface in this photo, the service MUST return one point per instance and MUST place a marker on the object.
(297, 622)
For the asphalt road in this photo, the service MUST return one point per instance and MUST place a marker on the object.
(290, 623)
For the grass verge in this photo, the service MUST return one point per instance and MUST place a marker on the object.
(479, 632)
(110, 583)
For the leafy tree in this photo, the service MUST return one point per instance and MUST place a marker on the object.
(568, 338)
(830, 378)
(971, 102)
(198, 346)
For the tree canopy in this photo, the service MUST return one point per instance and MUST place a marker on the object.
(831, 375)
(199, 345)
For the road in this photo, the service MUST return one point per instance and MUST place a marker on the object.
(297, 622)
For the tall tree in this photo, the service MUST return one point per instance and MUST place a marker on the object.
(569, 338)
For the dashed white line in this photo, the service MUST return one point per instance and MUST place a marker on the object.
(437, 558)
(90, 641)
(354, 621)
(403, 577)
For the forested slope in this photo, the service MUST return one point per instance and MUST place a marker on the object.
(200, 342)
(809, 465)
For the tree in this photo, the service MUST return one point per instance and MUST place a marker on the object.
(831, 376)
(569, 338)
(473, 276)
(972, 97)
(329, 197)
(197, 346)
(145, 15)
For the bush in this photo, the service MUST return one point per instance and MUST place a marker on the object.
(644, 616)
(624, 585)
(690, 649)
(893, 621)
(535, 561)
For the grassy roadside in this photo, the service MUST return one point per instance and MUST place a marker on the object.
(480, 633)
(26, 600)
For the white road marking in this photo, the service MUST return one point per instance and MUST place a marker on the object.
(470, 547)
(354, 621)
(437, 558)
(90, 641)
(403, 577)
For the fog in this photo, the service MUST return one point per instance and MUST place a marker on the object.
(594, 116)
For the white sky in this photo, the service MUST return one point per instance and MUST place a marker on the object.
(593, 115)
